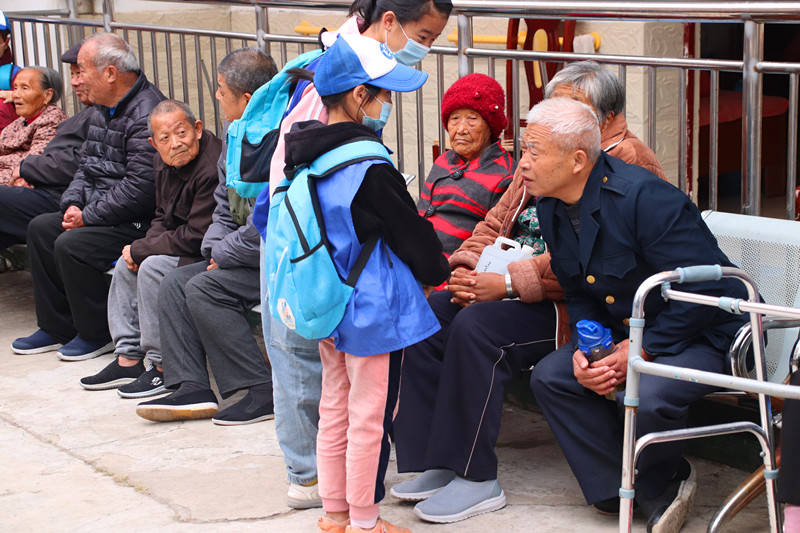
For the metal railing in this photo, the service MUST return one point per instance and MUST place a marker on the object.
(183, 61)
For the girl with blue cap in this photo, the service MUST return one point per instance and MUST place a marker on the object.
(363, 202)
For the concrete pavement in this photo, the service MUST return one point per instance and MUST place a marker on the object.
(73, 460)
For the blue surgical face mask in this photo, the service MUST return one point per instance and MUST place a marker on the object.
(377, 124)
(412, 53)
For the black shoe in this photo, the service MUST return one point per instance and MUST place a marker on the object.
(668, 512)
(180, 406)
(609, 506)
(250, 409)
(149, 383)
(112, 376)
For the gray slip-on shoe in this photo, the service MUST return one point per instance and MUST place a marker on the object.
(461, 499)
(672, 519)
(423, 486)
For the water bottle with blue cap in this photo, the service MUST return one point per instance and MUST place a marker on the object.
(594, 340)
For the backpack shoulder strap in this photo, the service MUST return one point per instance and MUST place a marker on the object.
(347, 154)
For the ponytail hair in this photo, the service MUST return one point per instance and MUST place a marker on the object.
(370, 11)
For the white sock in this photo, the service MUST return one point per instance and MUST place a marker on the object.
(364, 524)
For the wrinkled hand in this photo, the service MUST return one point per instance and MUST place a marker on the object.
(212, 264)
(7, 96)
(126, 256)
(603, 375)
(73, 218)
(469, 287)
(15, 171)
(20, 182)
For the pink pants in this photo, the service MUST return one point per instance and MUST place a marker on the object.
(351, 413)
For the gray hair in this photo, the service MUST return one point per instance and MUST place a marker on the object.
(246, 69)
(601, 87)
(113, 50)
(169, 106)
(50, 79)
(572, 124)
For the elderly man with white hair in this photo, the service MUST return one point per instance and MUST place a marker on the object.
(108, 204)
(608, 226)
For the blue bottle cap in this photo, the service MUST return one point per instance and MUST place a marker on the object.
(592, 334)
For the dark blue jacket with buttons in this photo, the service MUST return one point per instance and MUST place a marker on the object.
(634, 225)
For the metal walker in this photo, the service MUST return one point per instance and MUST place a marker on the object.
(632, 447)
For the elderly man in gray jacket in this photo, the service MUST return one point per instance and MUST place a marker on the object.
(203, 307)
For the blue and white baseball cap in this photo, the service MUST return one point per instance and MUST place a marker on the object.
(355, 59)
(3, 22)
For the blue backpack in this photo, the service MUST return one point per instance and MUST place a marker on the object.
(253, 137)
(7, 73)
(305, 289)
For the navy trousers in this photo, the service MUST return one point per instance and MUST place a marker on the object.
(589, 427)
(452, 384)
(18, 206)
(788, 480)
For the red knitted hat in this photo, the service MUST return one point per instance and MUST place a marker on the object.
(480, 93)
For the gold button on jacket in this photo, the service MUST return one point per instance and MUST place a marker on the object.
(590, 279)
(609, 299)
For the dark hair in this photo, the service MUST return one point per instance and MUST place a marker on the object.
(332, 100)
(246, 69)
(50, 79)
(370, 11)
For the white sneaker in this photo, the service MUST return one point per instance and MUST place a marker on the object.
(303, 496)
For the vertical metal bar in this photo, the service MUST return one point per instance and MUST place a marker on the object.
(439, 95)
(125, 36)
(108, 15)
(35, 38)
(713, 141)
(170, 72)
(140, 48)
(682, 133)
(154, 54)
(622, 74)
(217, 121)
(791, 152)
(283, 54)
(228, 45)
(48, 46)
(73, 13)
(198, 74)
(651, 108)
(185, 80)
(420, 137)
(24, 44)
(490, 70)
(751, 118)
(262, 27)
(464, 42)
(244, 43)
(67, 84)
(515, 104)
(399, 128)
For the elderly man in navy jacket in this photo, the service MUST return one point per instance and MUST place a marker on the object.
(608, 226)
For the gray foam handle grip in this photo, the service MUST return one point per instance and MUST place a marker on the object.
(693, 274)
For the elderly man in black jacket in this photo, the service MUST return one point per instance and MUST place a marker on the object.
(186, 177)
(108, 205)
(609, 226)
(41, 178)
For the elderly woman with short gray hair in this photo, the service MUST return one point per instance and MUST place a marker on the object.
(594, 85)
(36, 89)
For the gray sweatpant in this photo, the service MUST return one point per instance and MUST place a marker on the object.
(133, 307)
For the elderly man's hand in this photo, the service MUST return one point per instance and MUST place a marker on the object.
(126, 256)
(212, 264)
(469, 287)
(73, 218)
(19, 182)
(600, 379)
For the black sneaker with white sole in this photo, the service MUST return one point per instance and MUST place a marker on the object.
(112, 376)
(149, 383)
(254, 407)
(180, 405)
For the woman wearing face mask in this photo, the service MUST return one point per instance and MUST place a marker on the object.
(408, 28)
(364, 201)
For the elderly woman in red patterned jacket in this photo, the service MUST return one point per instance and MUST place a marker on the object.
(467, 180)
(35, 90)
